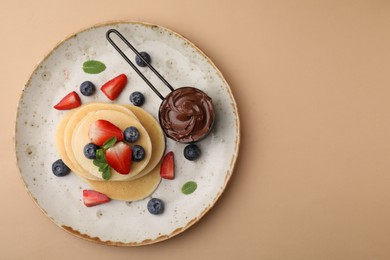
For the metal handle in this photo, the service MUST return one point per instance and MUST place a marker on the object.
(132, 64)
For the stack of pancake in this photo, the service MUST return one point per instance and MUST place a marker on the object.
(144, 177)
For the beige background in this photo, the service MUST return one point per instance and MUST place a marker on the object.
(312, 84)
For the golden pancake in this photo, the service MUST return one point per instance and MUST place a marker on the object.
(64, 138)
(138, 186)
(129, 190)
(121, 120)
(156, 136)
(149, 178)
(59, 140)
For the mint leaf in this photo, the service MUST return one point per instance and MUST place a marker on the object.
(102, 164)
(107, 173)
(100, 158)
(93, 67)
(103, 168)
(99, 163)
(189, 187)
(109, 143)
(100, 154)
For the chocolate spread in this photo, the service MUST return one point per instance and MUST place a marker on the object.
(187, 114)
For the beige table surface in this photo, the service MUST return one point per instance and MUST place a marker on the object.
(312, 84)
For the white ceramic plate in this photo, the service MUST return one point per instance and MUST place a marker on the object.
(119, 222)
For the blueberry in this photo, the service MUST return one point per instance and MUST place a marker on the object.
(191, 152)
(87, 88)
(138, 153)
(137, 98)
(59, 168)
(131, 134)
(90, 150)
(146, 57)
(155, 206)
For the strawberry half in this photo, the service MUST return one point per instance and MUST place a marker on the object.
(102, 130)
(114, 87)
(167, 170)
(119, 157)
(72, 100)
(92, 198)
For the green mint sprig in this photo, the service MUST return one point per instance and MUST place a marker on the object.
(100, 160)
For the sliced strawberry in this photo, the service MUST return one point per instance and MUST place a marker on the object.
(119, 157)
(102, 130)
(114, 87)
(167, 170)
(92, 198)
(72, 100)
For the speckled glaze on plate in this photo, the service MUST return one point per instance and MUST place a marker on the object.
(118, 222)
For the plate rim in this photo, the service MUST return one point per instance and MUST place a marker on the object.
(232, 162)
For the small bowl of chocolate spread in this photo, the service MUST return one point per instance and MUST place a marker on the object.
(187, 115)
